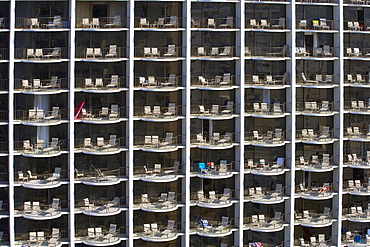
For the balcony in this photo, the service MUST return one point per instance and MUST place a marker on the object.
(357, 188)
(169, 53)
(217, 112)
(315, 165)
(355, 134)
(91, 24)
(261, 223)
(101, 147)
(267, 53)
(212, 228)
(321, 25)
(214, 141)
(113, 53)
(358, 80)
(42, 55)
(316, 53)
(159, 114)
(265, 195)
(158, 173)
(99, 236)
(4, 55)
(39, 117)
(224, 82)
(270, 138)
(315, 192)
(155, 232)
(41, 149)
(356, 2)
(319, 81)
(357, 214)
(209, 24)
(321, 241)
(355, 239)
(357, 53)
(214, 200)
(309, 136)
(354, 26)
(269, 82)
(97, 177)
(105, 115)
(44, 181)
(263, 110)
(99, 207)
(54, 85)
(265, 169)
(272, 25)
(160, 84)
(167, 202)
(313, 108)
(309, 218)
(160, 24)
(213, 53)
(359, 163)
(113, 84)
(36, 239)
(209, 170)
(40, 211)
(43, 23)
(156, 144)
(357, 107)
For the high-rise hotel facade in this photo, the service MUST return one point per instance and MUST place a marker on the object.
(184, 123)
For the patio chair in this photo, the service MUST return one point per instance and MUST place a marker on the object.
(226, 138)
(359, 79)
(224, 224)
(36, 83)
(253, 23)
(357, 52)
(214, 52)
(89, 52)
(114, 112)
(30, 53)
(201, 51)
(280, 25)
(144, 23)
(26, 84)
(211, 23)
(115, 23)
(95, 23)
(99, 82)
(171, 51)
(146, 229)
(215, 110)
(54, 54)
(302, 24)
(173, 169)
(326, 51)
(247, 51)
(55, 175)
(172, 23)
(85, 22)
(325, 133)
(226, 52)
(201, 139)
(53, 83)
(39, 54)
(33, 238)
(104, 112)
(145, 199)
(223, 167)
(147, 171)
(168, 140)
(171, 110)
(113, 82)
(53, 145)
(356, 26)
(225, 196)
(155, 52)
(160, 22)
(228, 23)
(324, 106)
(264, 24)
(147, 52)
(155, 141)
(323, 24)
(112, 232)
(57, 22)
(257, 136)
(226, 80)
(229, 108)
(34, 23)
(97, 53)
(112, 53)
(255, 79)
(305, 80)
(98, 232)
(156, 110)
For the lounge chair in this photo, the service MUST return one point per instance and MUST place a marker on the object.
(143, 23)
(113, 82)
(171, 51)
(115, 23)
(228, 23)
(112, 53)
(172, 23)
(211, 23)
(114, 112)
(57, 22)
(226, 52)
(54, 54)
(53, 145)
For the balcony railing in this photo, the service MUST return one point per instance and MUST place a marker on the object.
(214, 111)
(263, 109)
(4, 54)
(313, 107)
(219, 81)
(99, 207)
(153, 82)
(158, 22)
(41, 238)
(267, 52)
(315, 192)
(211, 227)
(315, 164)
(264, 195)
(356, 187)
(265, 223)
(359, 162)
(41, 85)
(314, 218)
(212, 141)
(101, 236)
(39, 211)
(102, 83)
(214, 23)
(309, 135)
(210, 52)
(321, 24)
(269, 138)
(356, 26)
(157, 172)
(113, 144)
(356, 133)
(358, 79)
(104, 114)
(102, 53)
(263, 167)
(159, 112)
(165, 202)
(213, 200)
(40, 116)
(42, 22)
(155, 143)
(41, 54)
(102, 22)
(40, 181)
(316, 79)
(41, 147)
(316, 52)
(280, 23)
(267, 80)
(356, 52)
(356, 2)
(169, 52)
(101, 175)
(211, 170)
(4, 84)
(357, 213)
(158, 232)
